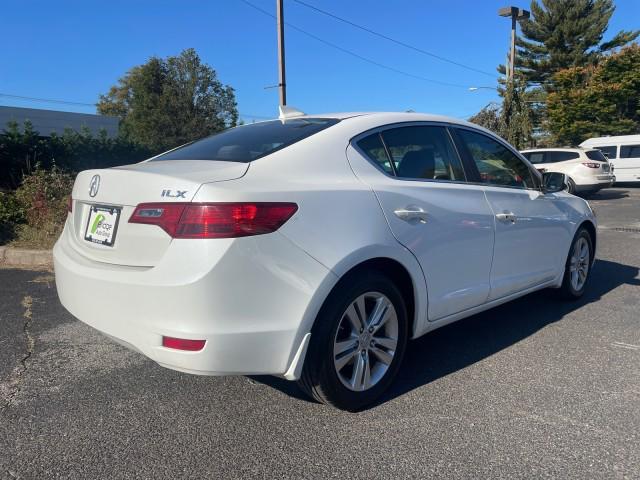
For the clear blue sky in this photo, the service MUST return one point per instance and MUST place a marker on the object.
(75, 50)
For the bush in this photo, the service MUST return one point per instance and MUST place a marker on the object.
(11, 215)
(22, 149)
(42, 203)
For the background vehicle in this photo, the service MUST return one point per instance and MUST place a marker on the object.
(623, 152)
(315, 247)
(588, 169)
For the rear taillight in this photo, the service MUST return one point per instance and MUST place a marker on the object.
(214, 220)
(591, 164)
(69, 204)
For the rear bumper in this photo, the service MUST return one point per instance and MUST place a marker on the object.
(594, 185)
(252, 299)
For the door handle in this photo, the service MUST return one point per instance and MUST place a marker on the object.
(506, 217)
(411, 213)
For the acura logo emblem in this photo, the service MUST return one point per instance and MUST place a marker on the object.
(94, 185)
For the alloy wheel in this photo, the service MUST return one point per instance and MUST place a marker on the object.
(579, 264)
(365, 341)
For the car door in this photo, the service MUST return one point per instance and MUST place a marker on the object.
(531, 233)
(446, 223)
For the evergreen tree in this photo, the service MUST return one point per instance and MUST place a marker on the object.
(563, 34)
(515, 115)
(488, 117)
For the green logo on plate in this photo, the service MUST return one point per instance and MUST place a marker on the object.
(96, 222)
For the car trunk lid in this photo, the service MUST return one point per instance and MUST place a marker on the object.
(115, 192)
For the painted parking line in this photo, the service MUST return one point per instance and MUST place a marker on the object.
(628, 346)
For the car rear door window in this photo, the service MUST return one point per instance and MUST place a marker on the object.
(423, 152)
(249, 142)
(630, 151)
(610, 151)
(496, 164)
(555, 156)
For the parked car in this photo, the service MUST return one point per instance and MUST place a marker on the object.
(315, 247)
(587, 169)
(623, 152)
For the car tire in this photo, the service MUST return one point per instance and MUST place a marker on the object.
(339, 378)
(571, 186)
(578, 266)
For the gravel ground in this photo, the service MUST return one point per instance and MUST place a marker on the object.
(535, 388)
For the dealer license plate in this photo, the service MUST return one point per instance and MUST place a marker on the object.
(102, 225)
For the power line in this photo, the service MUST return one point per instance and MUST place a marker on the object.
(354, 54)
(393, 40)
(46, 100)
(68, 102)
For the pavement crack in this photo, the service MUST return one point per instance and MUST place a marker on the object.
(19, 370)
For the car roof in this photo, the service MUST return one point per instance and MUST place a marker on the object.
(389, 117)
(612, 140)
(559, 149)
(358, 122)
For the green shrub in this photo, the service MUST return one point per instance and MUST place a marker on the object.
(11, 215)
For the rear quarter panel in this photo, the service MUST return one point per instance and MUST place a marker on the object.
(339, 221)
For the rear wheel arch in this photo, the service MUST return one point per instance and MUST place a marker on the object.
(396, 272)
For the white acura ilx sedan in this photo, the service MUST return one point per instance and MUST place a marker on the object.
(316, 247)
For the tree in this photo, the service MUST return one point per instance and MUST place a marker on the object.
(515, 115)
(512, 119)
(167, 102)
(596, 100)
(563, 34)
(488, 117)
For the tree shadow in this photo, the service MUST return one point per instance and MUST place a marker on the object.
(463, 343)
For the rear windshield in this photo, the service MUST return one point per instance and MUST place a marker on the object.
(596, 155)
(249, 142)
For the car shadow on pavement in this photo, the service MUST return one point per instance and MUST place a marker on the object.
(463, 343)
(606, 195)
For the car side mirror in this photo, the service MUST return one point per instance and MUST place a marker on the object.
(553, 182)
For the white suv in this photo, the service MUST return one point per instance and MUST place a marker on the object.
(587, 168)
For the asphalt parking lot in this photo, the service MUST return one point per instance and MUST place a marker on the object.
(535, 388)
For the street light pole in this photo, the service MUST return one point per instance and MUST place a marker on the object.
(282, 83)
(512, 55)
(516, 14)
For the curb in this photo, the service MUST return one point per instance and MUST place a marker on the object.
(19, 257)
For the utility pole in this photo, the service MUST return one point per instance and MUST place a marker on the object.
(282, 83)
(516, 14)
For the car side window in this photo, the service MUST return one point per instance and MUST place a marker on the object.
(423, 152)
(535, 157)
(630, 151)
(373, 148)
(496, 164)
(561, 156)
